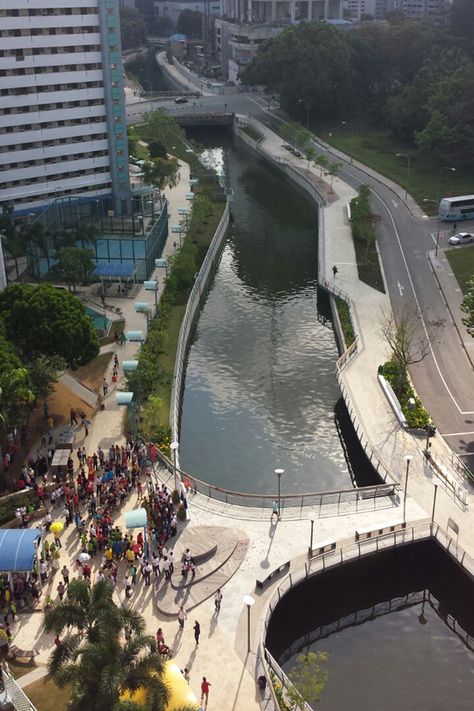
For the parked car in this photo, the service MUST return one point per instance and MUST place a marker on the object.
(181, 100)
(287, 146)
(297, 153)
(461, 238)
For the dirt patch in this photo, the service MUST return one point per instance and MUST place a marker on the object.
(92, 374)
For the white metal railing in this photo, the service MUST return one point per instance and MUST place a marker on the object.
(349, 551)
(19, 699)
(192, 307)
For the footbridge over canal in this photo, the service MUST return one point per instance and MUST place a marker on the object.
(207, 118)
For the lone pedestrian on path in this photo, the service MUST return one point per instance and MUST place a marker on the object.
(105, 387)
(334, 271)
(197, 632)
(205, 684)
(217, 600)
(182, 617)
(274, 511)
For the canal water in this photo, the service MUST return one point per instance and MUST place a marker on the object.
(394, 627)
(260, 388)
(143, 67)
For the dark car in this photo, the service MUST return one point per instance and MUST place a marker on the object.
(181, 100)
(297, 153)
(287, 146)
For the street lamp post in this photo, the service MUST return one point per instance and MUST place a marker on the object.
(302, 101)
(312, 518)
(249, 602)
(349, 123)
(438, 197)
(279, 473)
(434, 502)
(405, 155)
(408, 459)
(174, 446)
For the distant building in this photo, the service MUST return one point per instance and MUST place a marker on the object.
(413, 9)
(172, 9)
(245, 25)
(62, 113)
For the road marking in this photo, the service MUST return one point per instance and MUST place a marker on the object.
(262, 108)
(456, 434)
(401, 288)
(462, 412)
(395, 203)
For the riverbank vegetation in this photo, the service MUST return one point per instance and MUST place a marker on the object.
(411, 80)
(251, 132)
(365, 240)
(411, 405)
(345, 320)
(153, 378)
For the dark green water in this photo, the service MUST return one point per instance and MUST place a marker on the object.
(144, 68)
(260, 385)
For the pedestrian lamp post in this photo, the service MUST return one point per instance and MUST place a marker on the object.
(125, 399)
(279, 473)
(152, 285)
(351, 126)
(434, 502)
(312, 518)
(405, 155)
(438, 197)
(408, 459)
(174, 447)
(306, 104)
(249, 602)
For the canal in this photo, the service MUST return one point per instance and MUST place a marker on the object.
(260, 388)
(397, 628)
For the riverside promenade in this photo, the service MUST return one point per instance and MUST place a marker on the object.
(222, 654)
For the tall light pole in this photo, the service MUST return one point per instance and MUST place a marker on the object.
(279, 473)
(408, 459)
(438, 197)
(312, 518)
(405, 155)
(249, 602)
(302, 101)
(174, 446)
(351, 125)
(434, 502)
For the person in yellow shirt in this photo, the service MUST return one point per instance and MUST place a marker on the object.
(130, 555)
(108, 554)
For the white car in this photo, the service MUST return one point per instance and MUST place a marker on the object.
(461, 238)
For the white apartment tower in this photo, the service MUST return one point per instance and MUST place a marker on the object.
(62, 113)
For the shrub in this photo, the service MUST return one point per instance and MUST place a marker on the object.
(416, 416)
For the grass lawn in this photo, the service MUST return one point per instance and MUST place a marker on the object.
(46, 696)
(255, 135)
(378, 150)
(461, 260)
(18, 669)
(91, 375)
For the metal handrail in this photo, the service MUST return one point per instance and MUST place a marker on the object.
(349, 551)
(336, 496)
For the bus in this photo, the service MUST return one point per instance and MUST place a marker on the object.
(457, 208)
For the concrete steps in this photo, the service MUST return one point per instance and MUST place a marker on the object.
(221, 551)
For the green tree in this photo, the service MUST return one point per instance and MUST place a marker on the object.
(44, 371)
(302, 139)
(44, 320)
(159, 126)
(190, 23)
(306, 63)
(96, 659)
(132, 28)
(74, 265)
(161, 172)
(15, 385)
(333, 170)
(310, 154)
(308, 678)
(323, 163)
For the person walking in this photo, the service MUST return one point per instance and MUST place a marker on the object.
(182, 616)
(73, 417)
(334, 271)
(218, 599)
(274, 511)
(61, 590)
(197, 632)
(205, 684)
(105, 387)
(65, 574)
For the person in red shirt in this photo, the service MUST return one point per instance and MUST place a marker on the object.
(205, 684)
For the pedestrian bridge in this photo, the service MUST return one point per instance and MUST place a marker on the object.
(194, 118)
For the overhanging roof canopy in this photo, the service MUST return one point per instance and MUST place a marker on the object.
(136, 518)
(18, 549)
(123, 270)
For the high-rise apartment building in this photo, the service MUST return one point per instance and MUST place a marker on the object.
(62, 112)
(417, 9)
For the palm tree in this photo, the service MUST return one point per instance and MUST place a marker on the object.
(96, 661)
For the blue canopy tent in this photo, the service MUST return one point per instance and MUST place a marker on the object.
(18, 549)
(115, 270)
(138, 519)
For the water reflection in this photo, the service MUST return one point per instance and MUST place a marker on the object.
(260, 386)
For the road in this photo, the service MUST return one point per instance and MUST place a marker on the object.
(444, 380)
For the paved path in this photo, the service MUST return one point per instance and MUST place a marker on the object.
(222, 654)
